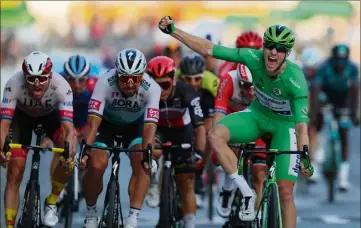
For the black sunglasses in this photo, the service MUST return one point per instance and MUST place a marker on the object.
(279, 47)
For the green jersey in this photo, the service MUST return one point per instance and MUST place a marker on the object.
(284, 98)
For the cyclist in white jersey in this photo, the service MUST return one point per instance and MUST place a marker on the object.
(125, 101)
(36, 95)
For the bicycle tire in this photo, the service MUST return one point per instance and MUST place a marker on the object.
(30, 207)
(67, 209)
(332, 175)
(166, 209)
(111, 217)
(211, 180)
(272, 208)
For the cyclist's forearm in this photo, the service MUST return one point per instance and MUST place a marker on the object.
(4, 129)
(148, 134)
(208, 122)
(202, 46)
(91, 129)
(200, 133)
(302, 135)
(69, 131)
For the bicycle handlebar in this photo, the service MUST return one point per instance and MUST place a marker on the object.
(84, 146)
(21, 146)
(276, 152)
(172, 146)
(87, 146)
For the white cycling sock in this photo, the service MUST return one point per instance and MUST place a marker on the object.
(133, 216)
(229, 184)
(91, 210)
(189, 220)
(241, 183)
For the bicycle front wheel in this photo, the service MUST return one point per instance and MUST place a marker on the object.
(67, 209)
(273, 207)
(211, 182)
(112, 213)
(168, 198)
(30, 217)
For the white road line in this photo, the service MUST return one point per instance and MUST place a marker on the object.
(333, 219)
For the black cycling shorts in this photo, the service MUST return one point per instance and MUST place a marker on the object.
(129, 133)
(22, 127)
(181, 158)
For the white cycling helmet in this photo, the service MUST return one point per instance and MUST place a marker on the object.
(244, 74)
(310, 57)
(37, 64)
(130, 62)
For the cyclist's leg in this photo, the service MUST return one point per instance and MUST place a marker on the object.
(139, 181)
(344, 123)
(58, 173)
(93, 178)
(239, 127)
(184, 173)
(153, 196)
(288, 167)
(21, 132)
(259, 170)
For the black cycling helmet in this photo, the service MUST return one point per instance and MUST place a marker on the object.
(192, 64)
(341, 51)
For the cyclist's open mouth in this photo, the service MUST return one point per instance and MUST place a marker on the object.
(271, 62)
(38, 91)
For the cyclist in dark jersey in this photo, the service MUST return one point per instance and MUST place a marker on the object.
(180, 121)
(338, 79)
(192, 69)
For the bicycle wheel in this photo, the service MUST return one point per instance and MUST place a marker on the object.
(112, 211)
(67, 209)
(211, 181)
(330, 171)
(30, 216)
(273, 213)
(167, 205)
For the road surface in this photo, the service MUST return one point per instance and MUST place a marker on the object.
(313, 210)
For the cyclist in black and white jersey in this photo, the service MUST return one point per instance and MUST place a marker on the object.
(125, 101)
(181, 121)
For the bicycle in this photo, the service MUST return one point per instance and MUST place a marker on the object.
(333, 157)
(270, 209)
(169, 209)
(112, 216)
(30, 216)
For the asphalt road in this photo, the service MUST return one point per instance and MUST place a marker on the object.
(313, 210)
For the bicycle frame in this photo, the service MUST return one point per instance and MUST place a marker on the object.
(270, 180)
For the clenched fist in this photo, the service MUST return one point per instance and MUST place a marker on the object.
(166, 25)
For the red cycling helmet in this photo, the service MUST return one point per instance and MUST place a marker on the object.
(249, 40)
(161, 66)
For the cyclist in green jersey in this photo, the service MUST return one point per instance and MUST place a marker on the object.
(280, 109)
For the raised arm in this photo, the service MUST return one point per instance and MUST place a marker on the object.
(202, 46)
